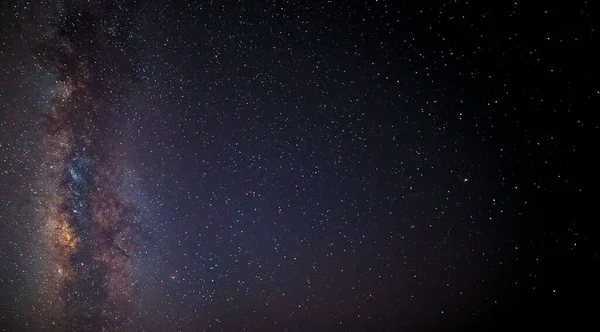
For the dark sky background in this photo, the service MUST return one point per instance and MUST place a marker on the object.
(298, 165)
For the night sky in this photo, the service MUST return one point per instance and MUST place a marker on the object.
(297, 165)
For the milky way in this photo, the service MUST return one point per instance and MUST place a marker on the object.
(179, 165)
(89, 219)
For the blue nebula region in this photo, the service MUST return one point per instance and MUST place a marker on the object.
(80, 185)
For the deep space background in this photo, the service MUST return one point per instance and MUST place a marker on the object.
(297, 165)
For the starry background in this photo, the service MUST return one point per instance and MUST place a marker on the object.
(303, 166)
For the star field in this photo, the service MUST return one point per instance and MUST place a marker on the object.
(295, 166)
